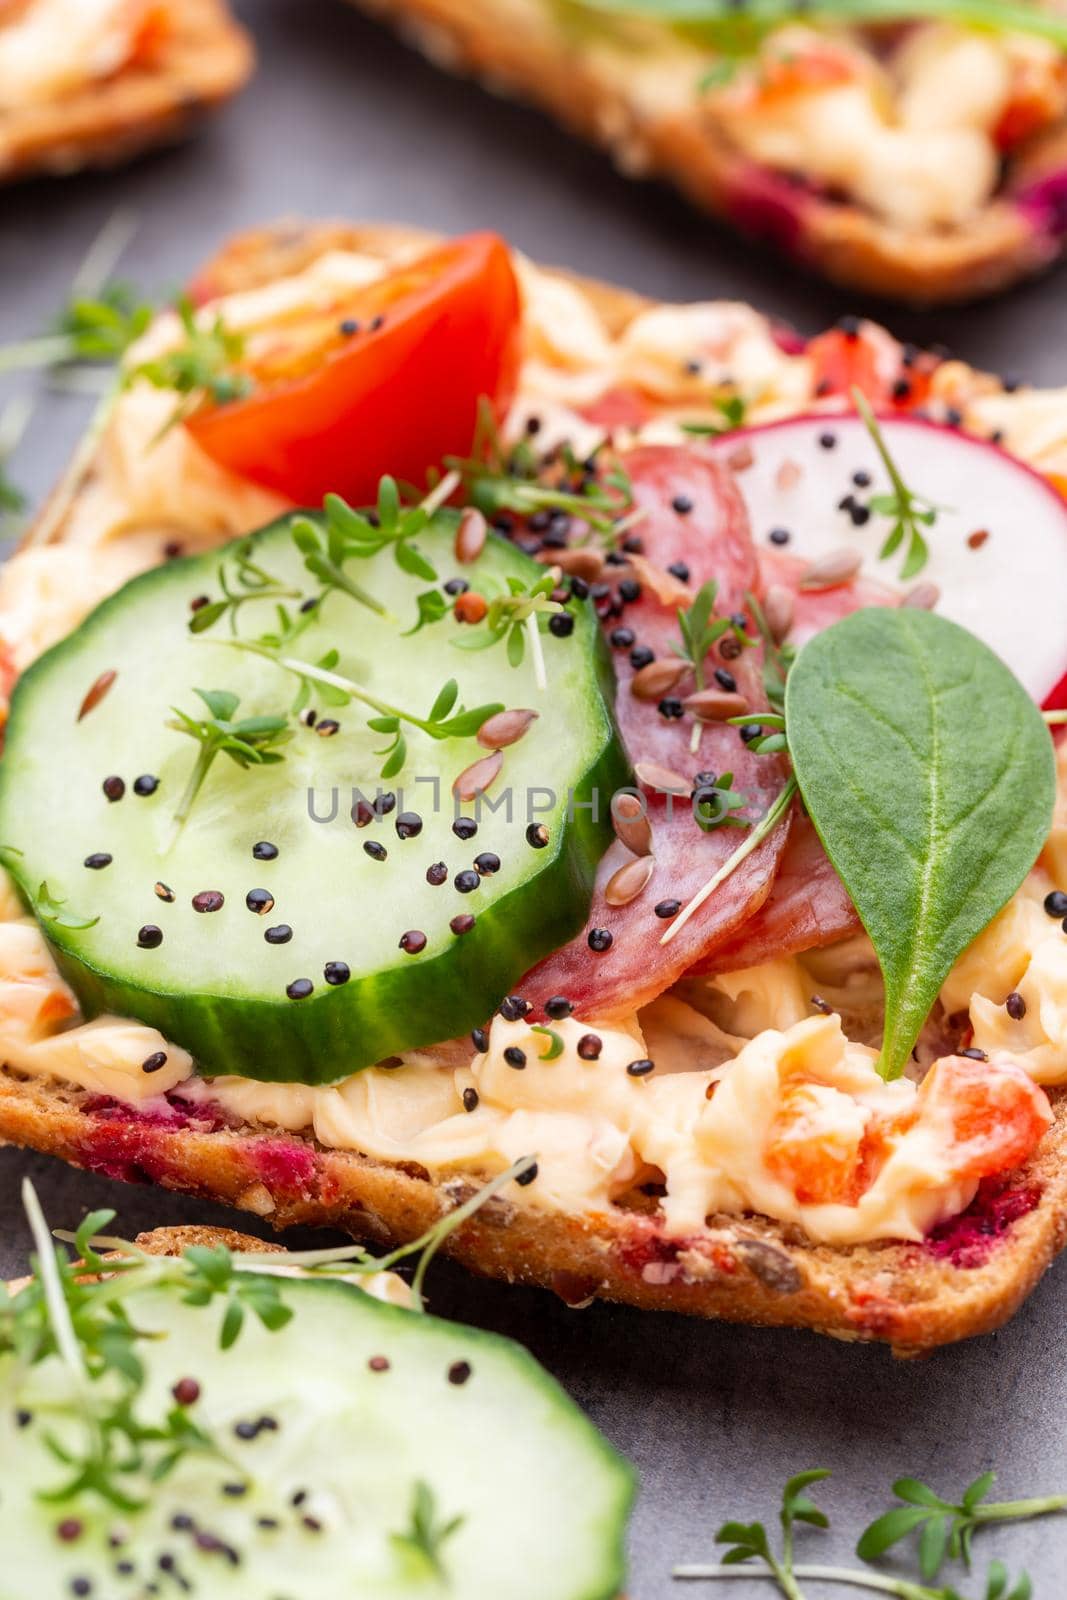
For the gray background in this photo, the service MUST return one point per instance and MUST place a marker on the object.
(342, 120)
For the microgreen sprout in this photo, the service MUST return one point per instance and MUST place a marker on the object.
(732, 409)
(701, 629)
(755, 837)
(248, 581)
(715, 805)
(443, 720)
(515, 619)
(555, 1046)
(101, 318)
(76, 1310)
(777, 657)
(520, 481)
(426, 1534)
(909, 511)
(50, 909)
(348, 533)
(204, 365)
(250, 742)
(946, 1528)
(749, 1542)
(14, 420)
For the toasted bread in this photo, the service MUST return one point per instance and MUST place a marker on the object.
(966, 1279)
(204, 59)
(511, 52)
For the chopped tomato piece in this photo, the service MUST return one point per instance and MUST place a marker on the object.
(782, 73)
(817, 1144)
(994, 1111)
(847, 360)
(152, 30)
(390, 380)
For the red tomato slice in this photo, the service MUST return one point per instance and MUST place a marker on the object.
(388, 381)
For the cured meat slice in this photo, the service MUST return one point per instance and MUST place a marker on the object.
(808, 907)
(693, 514)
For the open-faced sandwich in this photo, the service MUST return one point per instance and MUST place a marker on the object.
(632, 760)
(914, 148)
(88, 83)
(166, 1432)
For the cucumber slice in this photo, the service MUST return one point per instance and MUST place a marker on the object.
(214, 983)
(364, 1402)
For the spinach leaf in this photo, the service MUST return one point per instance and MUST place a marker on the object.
(929, 775)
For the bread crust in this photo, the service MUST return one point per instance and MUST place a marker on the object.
(204, 60)
(746, 1269)
(967, 1281)
(839, 240)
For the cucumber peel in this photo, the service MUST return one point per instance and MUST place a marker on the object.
(212, 981)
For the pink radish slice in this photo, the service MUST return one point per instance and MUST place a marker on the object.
(1008, 587)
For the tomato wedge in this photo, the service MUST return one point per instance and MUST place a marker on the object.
(389, 380)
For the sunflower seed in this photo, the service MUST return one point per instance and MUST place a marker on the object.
(779, 610)
(835, 568)
(587, 564)
(653, 776)
(715, 705)
(923, 597)
(478, 777)
(470, 535)
(626, 884)
(507, 727)
(631, 823)
(96, 693)
(657, 679)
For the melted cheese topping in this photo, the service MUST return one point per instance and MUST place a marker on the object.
(704, 1132)
(51, 47)
(41, 1036)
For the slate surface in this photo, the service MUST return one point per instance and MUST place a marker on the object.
(342, 120)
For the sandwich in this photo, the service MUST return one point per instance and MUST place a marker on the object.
(916, 151)
(93, 83)
(462, 714)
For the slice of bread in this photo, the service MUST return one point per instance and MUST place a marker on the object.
(966, 1279)
(524, 52)
(203, 59)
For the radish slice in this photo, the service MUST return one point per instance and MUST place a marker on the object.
(1009, 587)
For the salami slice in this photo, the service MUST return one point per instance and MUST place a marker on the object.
(694, 520)
(808, 906)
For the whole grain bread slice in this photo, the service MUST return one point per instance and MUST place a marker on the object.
(519, 52)
(966, 1279)
(204, 58)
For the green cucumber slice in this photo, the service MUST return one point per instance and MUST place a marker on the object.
(215, 984)
(367, 1402)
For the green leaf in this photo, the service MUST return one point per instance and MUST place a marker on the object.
(917, 1493)
(396, 760)
(222, 703)
(888, 1530)
(232, 1324)
(446, 699)
(929, 775)
(978, 1490)
(432, 607)
(932, 1542)
(48, 909)
(409, 559)
(208, 615)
